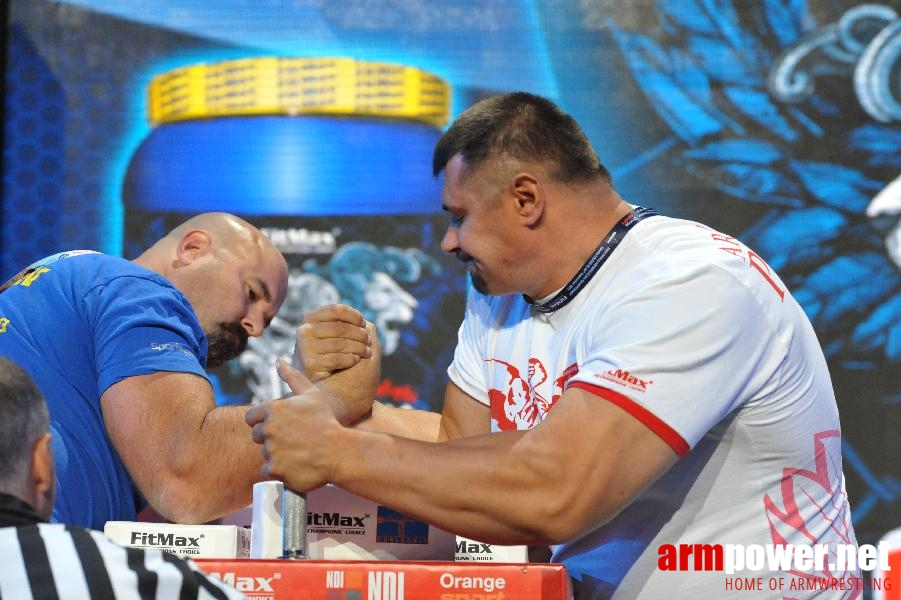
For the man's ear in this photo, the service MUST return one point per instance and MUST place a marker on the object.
(193, 245)
(529, 197)
(43, 475)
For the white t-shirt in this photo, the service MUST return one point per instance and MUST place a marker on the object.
(693, 334)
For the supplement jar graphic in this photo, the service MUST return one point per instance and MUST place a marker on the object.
(331, 158)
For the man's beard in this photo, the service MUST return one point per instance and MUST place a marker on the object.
(225, 343)
(477, 281)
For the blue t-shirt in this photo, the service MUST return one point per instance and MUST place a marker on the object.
(78, 323)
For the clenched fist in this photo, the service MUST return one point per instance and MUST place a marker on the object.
(338, 350)
(299, 435)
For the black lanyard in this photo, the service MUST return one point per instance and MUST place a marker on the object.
(595, 261)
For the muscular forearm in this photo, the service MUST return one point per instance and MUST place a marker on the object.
(561, 479)
(191, 460)
(503, 487)
(461, 417)
(567, 476)
(495, 488)
(409, 423)
(210, 472)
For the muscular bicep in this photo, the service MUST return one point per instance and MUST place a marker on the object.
(602, 456)
(149, 417)
(463, 415)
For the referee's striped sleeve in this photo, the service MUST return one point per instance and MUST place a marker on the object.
(13, 574)
(50, 561)
(92, 564)
(37, 562)
(157, 574)
(195, 577)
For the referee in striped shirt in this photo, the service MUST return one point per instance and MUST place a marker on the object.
(44, 561)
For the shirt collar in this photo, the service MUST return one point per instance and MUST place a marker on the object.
(15, 512)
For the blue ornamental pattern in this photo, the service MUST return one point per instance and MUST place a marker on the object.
(802, 118)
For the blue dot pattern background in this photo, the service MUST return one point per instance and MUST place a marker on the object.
(33, 173)
(72, 123)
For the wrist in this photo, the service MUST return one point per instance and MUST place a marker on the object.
(338, 408)
(347, 405)
(345, 450)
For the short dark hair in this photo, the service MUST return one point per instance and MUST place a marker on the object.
(23, 419)
(521, 126)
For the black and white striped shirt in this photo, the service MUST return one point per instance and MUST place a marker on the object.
(47, 561)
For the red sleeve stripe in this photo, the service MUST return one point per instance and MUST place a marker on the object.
(651, 421)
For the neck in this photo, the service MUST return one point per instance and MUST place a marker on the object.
(576, 238)
(145, 260)
(155, 259)
(593, 264)
(16, 512)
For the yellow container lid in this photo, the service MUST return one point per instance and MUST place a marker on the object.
(298, 86)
